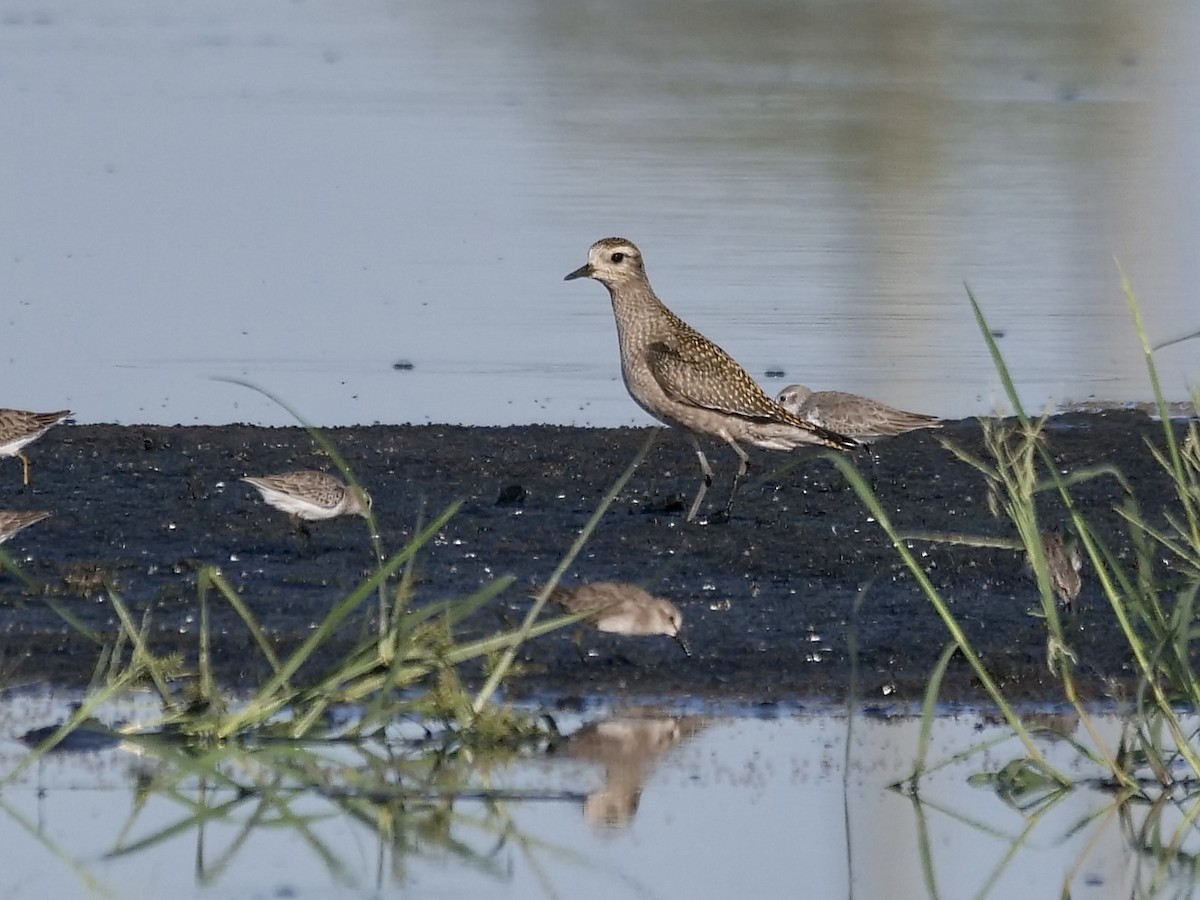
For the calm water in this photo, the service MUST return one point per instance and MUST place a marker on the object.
(636, 804)
(303, 195)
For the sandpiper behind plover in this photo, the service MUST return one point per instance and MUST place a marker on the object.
(685, 380)
(861, 418)
(19, 427)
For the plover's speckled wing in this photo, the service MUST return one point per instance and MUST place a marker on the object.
(702, 374)
(707, 377)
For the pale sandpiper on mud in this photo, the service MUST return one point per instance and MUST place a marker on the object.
(685, 380)
(309, 495)
(619, 608)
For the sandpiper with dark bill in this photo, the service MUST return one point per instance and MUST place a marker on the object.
(19, 427)
(616, 607)
(685, 380)
(309, 495)
(857, 417)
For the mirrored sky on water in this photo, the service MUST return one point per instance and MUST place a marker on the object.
(639, 802)
(302, 196)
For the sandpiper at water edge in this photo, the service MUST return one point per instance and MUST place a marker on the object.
(617, 607)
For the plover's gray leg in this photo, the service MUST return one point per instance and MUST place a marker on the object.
(743, 468)
(706, 479)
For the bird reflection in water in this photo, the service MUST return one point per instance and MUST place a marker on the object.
(628, 748)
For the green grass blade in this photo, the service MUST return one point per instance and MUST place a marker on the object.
(929, 710)
(498, 673)
(211, 575)
(867, 496)
(271, 697)
(1010, 389)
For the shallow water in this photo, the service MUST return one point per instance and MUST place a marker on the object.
(304, 195)
(638, 802)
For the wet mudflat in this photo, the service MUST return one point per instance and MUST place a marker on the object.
(772, 600)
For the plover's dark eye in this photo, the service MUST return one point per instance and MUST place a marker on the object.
(618, 257)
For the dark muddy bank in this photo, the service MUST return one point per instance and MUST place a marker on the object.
(768, 598)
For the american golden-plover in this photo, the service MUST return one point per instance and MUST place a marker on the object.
(861, 418)
(19, 427)
(309, 495)
(685, 380)
(619, 608)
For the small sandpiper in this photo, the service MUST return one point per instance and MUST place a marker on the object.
(19, 427)
(619, 608)
(1065, 563)
(861, 418)
(12, 521)
(309, 495)
(685, 380)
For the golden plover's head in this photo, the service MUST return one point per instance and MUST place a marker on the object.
(611, 261)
